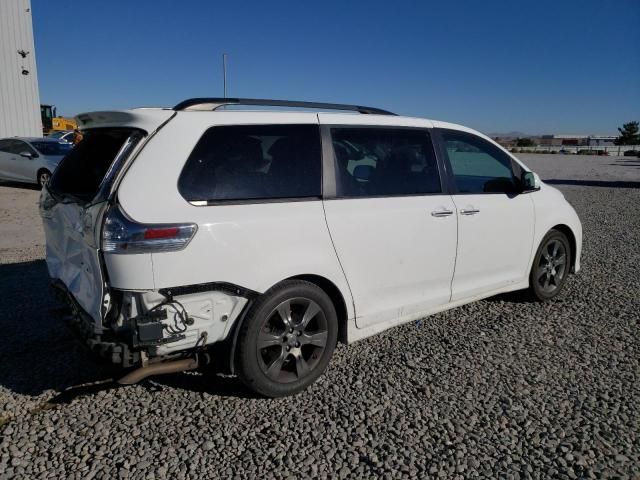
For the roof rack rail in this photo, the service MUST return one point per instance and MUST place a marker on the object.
(215, 102)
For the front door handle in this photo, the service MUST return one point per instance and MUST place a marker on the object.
(442, 213)
(469, 211)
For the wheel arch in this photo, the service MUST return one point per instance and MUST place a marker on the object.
(226, 350)
(336, 297)
(568, 232)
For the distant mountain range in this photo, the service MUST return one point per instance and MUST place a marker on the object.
(510, 135)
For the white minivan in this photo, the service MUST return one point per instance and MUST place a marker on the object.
(255, 240)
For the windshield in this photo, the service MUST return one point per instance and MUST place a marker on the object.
(82, 171)
(52, 148)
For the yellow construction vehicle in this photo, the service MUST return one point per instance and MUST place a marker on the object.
(52, 123)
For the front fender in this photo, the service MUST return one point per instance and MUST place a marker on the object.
(551, 210)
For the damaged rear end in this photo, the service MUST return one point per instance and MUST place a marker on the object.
(100, 260)
(72, 208)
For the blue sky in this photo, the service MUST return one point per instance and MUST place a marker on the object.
(536, 67)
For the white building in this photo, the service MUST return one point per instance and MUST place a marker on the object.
(602, 140)
(578, 140)
(19, 96)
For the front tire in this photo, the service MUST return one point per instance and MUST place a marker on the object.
(551, 267)
(287, 339)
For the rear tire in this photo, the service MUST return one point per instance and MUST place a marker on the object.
(287, 339)
(43, 177)
(551, 267)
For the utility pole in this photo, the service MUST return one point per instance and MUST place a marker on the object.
(224, 70)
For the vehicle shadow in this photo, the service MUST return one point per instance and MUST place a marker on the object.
(594, 183)
(38, 353)
(200, 382)
(518, 296)
(206, 382)
(626, 163)
(24, 186)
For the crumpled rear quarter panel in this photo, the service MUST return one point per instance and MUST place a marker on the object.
(72, 260)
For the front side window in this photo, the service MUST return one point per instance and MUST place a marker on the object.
(254, 162)
(18, 147)
(384, 162)
(477, 165)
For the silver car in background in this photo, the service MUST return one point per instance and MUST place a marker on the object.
(31, 160)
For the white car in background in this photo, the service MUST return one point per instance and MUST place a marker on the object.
(63, 135)
(256, 240)
(31, 159)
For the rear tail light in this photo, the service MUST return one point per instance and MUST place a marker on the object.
(122, 235)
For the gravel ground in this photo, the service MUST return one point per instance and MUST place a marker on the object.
(498, 388)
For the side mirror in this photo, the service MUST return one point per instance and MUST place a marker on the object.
(530, 182)
(27, 155)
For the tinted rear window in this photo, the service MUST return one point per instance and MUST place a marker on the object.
(384, 162)
(81, 172)
(252, 162)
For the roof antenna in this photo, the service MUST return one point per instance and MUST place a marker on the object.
(224, 73)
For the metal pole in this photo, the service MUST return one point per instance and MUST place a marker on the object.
(224, 69)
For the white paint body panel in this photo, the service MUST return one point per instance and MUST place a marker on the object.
(494, 245)
(551, 210)
(126, 271)
(254, 246)
(398, 258)
(391, 260)
(355, 334)
(251, 245)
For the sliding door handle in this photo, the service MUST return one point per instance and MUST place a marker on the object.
(441, 213)
(469, 211)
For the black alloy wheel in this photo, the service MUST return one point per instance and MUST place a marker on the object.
(551, 266)
(287, 339)
(43, 177)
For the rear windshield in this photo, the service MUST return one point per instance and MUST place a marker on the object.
(52, 148)
(81, 172)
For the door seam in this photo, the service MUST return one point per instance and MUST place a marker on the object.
(455, 260)
(344, 274)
